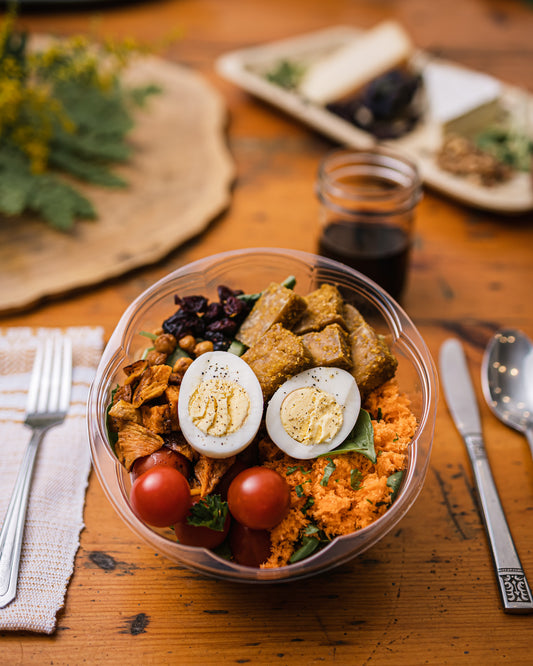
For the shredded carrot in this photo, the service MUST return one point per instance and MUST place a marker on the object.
(356, 492)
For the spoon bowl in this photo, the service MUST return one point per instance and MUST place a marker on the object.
(507, 380)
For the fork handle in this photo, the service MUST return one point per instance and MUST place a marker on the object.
(13, 527)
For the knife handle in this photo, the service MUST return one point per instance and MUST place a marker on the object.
(514, 588)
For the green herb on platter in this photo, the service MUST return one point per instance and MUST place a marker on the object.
(509, 146)
(286, 74)
(64, 116)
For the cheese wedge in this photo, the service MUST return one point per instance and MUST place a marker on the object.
(354, 65)
(461, 100)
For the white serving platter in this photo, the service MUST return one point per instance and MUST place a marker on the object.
(247, 68)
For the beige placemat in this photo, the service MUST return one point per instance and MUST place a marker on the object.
(180, 179)
(55, 510)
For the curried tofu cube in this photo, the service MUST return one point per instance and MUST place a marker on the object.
(324, 307)
(120, 413)
(135, 441)
(134, 371)
(153, 383)
(156, 418)
(373, 362)
(172, 393)
(329, 347)
(209, 471)
(275, 357)
(276, 305)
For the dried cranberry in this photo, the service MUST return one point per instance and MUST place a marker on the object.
(225, 292)
(214, 311)
(183, 323)
(225, 326)
(235, 307)
(194, 304)
(219, 340)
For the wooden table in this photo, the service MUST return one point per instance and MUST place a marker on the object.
(427, 592)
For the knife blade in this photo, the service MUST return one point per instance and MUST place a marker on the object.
(461, 399)
(458, 389)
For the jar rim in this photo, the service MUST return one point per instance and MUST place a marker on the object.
(404, 186)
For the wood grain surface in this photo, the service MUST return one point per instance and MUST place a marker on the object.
(426, 594)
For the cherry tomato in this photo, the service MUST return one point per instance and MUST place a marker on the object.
(249, 547)
(259, 498)
(200, 536)
(163, 456)
(161, 496)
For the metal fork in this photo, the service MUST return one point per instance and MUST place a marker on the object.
(47, 405)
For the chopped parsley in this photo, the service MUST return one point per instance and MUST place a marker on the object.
(328, 471)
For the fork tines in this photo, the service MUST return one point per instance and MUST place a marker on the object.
(51, 377)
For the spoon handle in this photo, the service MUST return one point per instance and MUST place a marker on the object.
(514, 588)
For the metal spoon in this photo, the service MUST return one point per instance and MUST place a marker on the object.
(507, 380)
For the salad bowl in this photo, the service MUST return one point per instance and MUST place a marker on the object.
(252, 270)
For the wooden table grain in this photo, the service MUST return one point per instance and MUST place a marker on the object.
(426, 594)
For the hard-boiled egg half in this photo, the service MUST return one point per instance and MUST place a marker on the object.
(313, 412)
(220, 404)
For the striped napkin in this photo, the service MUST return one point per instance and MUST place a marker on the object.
(55, 510)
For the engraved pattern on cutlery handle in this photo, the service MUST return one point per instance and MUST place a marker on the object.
(514, 588)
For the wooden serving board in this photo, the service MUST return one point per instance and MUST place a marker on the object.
(179, 179)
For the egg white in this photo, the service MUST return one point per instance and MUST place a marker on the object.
(229, 367)
(338, 383)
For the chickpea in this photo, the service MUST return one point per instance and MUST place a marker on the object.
(165, 343)
(181, 365)
(187, 343)
(155, 358)
(203, 347)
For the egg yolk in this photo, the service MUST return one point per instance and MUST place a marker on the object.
(219, 407)
(311, 416)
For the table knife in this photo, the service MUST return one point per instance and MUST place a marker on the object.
(459, 393)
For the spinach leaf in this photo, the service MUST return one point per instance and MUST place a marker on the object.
(360, 440)
(394, 482)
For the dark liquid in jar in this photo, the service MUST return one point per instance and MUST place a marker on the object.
(378, 250)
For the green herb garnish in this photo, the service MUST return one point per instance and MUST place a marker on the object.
(328, 471)
(355, 479)
(308, 504)
(507, 145)
(211, 511)
(286, 74)
(312, 539)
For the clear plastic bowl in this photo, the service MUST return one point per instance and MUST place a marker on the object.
(252, 270)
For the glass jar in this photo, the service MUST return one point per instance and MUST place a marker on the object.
(368, 198)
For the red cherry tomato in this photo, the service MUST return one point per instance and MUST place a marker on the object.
(200, 536)
(161, 496)
(162, 456)
(249, 547)
(259, 498)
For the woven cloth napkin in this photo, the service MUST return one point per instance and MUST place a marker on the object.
(55, 510)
